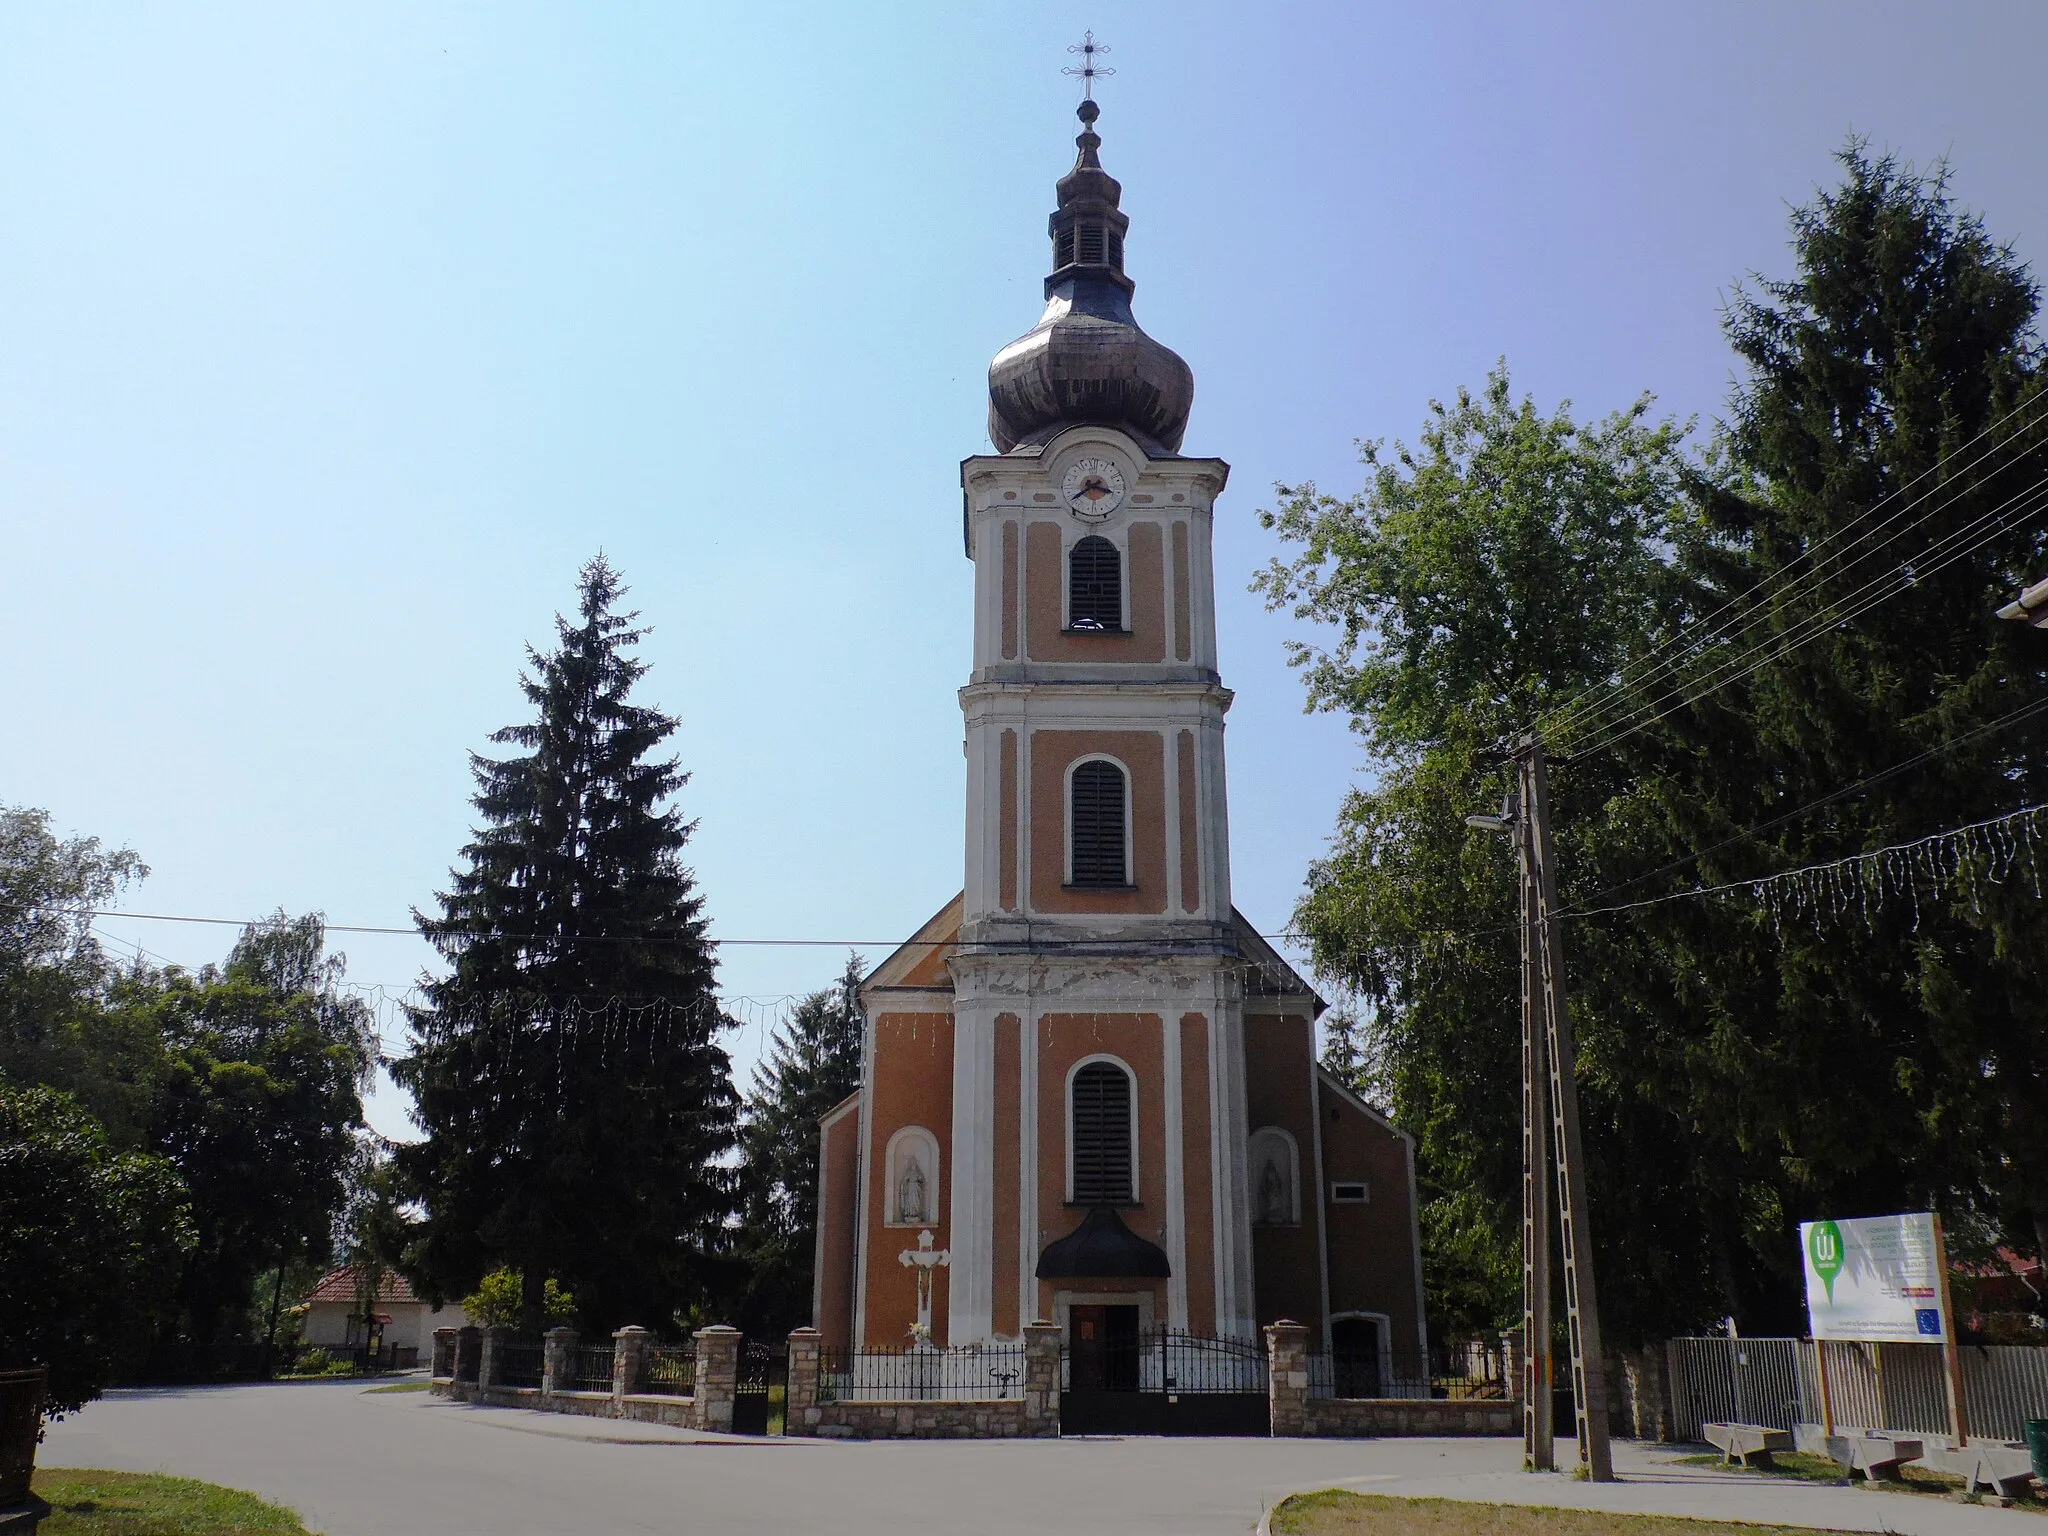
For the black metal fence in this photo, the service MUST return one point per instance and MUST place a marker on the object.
(593, 1368)
(518, 1365)
(967, 1374)
(1167, 1360)
(1455, 1373)
(669, 1370)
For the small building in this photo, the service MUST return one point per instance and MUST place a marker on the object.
(1090, 1090)
(399, 1324)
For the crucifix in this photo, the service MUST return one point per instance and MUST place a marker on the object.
(1090, 71)
(924, 1259)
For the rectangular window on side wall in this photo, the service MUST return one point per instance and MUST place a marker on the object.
(1353, 1193)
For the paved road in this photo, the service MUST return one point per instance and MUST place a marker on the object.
(403, 1464)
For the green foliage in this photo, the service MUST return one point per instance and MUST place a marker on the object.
(1734, 1078)
(91, 1235)
(1505, 564)
(812, 1065)
(577, 1107)
(257, 1109)
(500, 1298)
(53, 975)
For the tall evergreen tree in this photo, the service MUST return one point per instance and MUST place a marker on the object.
(1900, 1060)
(812, 1064)
(577, 1106)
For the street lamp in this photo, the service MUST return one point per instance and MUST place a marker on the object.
(2030, 607)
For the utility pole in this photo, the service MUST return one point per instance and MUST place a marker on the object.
(1539, 1405)
(1581, 1298)
(1550, 1138)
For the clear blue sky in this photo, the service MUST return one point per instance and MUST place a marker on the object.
(333, 340)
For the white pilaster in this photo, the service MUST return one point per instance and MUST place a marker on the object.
(971, 1219)
(1176, 1174)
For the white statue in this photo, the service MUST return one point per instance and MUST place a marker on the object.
(1273, 1195)
(910, 1193)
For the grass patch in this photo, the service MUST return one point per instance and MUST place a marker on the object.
(400, 1386)
(1337, 1513)
(1795, 1464)
(91, 1503)
(1811, 1468)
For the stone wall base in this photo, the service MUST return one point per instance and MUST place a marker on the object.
(996, 1420)
(650, 1408)
(660, 1408)
(1367, 1417)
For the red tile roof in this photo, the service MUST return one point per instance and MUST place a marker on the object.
(340, 1285)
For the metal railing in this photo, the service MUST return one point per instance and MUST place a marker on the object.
(1166, 1360)
(593, 1368)
(517, 1365)
(670, 1370)
(1395, 1374)
(968, 1374)
(1870, 1386)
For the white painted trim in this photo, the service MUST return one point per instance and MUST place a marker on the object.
(849, 1105)
(864, 1168)
(928, 1145)
(1067, 1094)
(1255, 1145)
(1067, 802)
(1064, 1302)
(1335, 1083)
(1322, 1209)
(1027, 1166)
(970, 1283)
(1176, 1178)
(1415, 1247)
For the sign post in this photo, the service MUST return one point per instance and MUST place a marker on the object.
(1882, 1280)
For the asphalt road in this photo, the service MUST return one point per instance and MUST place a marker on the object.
(394, 1464)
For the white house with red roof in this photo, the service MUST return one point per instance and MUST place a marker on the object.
(398, 1318)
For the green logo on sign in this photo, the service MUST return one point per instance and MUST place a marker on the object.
(1824, 1250)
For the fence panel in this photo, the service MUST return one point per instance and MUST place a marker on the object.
(1453, 1373)
(670, 1370)
(518, 1365)
(964, 1375)
(1900, 1387)
(594, 1368)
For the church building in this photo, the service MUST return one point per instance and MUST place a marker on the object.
(1089, 1090)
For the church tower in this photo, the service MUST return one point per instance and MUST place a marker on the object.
(1088, 1077)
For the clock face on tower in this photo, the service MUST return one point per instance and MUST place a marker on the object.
(1093, 488)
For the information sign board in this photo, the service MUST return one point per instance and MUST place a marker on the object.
(1876, 1278)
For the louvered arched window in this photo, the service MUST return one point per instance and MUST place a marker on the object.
(1100, 1114)
(1095, 825)
(1095, 586)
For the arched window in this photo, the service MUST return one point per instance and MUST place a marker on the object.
(1099, 1120)
(1095, 825)
(1095, 586)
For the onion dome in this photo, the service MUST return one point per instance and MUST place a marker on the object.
(1102, 1247)
(1086, 360)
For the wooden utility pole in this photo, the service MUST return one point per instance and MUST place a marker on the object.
(1581, 1297)
(1539, 1431)
(1951, 1352)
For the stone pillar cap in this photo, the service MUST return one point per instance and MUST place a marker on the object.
(717, 1328)
(619, 1333)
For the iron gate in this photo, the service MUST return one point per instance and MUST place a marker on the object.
(1164, 1382)
(761, 1388)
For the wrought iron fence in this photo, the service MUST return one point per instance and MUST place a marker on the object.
(593, 1368)
(1869, 1386)
(967, 1374)
(670, 1370)
(517, 1365)
(1455, 1372)
(1166, 1360)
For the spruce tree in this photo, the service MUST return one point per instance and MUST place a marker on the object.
(577, 1107)
(1888, 1061)
(812, 1064)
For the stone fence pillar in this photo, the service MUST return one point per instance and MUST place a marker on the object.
(1041, 1378)
(492, 1364)
(629, 1364)
(800, 1414)
(558, 1361)
(444, 1353)
(1648, 1394)
(469, 1354)
(718, 1375)
(1511, 1362)
(1287, 1376)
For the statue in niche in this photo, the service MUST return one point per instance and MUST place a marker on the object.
(910, 1192)
(1273, 1211)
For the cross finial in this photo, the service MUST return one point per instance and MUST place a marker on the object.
(1091, 70)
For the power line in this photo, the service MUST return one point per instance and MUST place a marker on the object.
(1753, 601)
(1810, 628)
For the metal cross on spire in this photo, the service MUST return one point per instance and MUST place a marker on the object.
(1090, 71)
